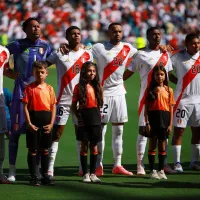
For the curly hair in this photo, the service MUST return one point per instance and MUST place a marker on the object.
(152, 94)
(95, 83)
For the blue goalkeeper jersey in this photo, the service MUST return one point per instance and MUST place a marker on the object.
(25, 52)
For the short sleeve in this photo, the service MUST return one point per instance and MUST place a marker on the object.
(26, 95)
(52, 57)
(53, 96)
(172, 100)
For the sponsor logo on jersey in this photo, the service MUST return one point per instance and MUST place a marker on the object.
(26, 50)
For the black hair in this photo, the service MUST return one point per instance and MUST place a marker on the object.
(26, 22)
(114, 24)
(149, 30)
(68, 31)
(191, 36)
(152, 93)
(95, 83)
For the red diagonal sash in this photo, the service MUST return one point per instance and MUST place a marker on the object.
(162, 60)
(112, 67)
(71, 73)
(3, 58)
(187, 79)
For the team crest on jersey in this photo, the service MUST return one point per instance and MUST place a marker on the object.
(179, 121)
(41, 50)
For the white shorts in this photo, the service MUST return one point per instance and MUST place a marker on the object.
(114, 109)
(187, 114)
(3, 123)
(141, 121)
(62, 115)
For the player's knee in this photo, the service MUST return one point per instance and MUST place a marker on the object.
(44, 152)
(83, 153)
(117, 131)
(57, 132)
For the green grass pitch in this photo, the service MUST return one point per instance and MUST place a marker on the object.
(69, 186)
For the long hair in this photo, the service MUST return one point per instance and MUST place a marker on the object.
(152, 94)
(95, 83)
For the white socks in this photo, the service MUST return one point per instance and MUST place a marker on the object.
(101, 146)
(176, 149)
(78, 149)
(195, 152)
(140, 148)
(117, 144)
(52, 156)
(2, 152)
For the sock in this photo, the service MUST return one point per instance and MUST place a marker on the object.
(140, 149)
(101, 146)
(78, 149)
(166, 150)
(2, 152)
(52, 156)
(195, 152)
(176, 149)
(32, 163)
(44, 162)
(161, 158)
(13, 148)
(93, 160)
(151, 157)
(117, 143)
(83, 157)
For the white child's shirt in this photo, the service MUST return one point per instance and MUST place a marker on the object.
(111, 61)
(68, 68)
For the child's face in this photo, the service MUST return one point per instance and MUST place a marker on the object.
(159, 76)
(91, 73)
(40, 74)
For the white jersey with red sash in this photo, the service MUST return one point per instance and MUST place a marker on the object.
(4, 57)
(111, 62)
(187, 69)
(68, 68)
(144, 61)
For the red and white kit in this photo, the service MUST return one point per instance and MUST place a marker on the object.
(143, 62)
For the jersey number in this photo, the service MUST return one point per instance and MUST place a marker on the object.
(60, 110)
(117, 61)
(195, 69)
(75, 69)
(104, 109)
(180, 113)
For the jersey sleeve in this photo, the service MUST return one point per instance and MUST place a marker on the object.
(53, 96)
(172, 100)
(169, 64)
(135, 63)
(75, 96)
(12, 47)
(52, 57)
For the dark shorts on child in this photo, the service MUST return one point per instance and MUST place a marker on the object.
(91, 131)
(39, 139)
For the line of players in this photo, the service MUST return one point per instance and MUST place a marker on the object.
(111, 57)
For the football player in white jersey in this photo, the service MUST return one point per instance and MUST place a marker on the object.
(143, 62)
(111, 58)
(4, 57)
(68, 67)
(187, 95)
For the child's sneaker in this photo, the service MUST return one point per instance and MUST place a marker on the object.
(86, 178)
(34, 180)
(11, 174)
(194, 166)
(178, 167)
(162, 175)
(140, 170)
(154, 175)
(99, 171)
(121, 170)
(47, 180)
(94, 178)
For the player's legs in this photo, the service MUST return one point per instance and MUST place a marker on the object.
(195, 148)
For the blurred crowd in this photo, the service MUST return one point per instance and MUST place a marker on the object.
(176, 18)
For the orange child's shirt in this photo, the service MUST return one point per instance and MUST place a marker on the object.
(91, 100)
(39, 97)
(162, 102)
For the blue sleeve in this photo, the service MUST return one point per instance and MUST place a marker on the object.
(13, 47)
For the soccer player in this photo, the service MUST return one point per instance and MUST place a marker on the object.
(111, 59)
(4, 57)
(40, 109)
(68, 67)
(187, 95)
(25, 52)
(143, 62)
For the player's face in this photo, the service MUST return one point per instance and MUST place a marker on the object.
(40, 74)
(159, 76)
(116, 33)
(74, 36)
(154, 37)
(33, 30)
(193, 46)
(91, 73)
